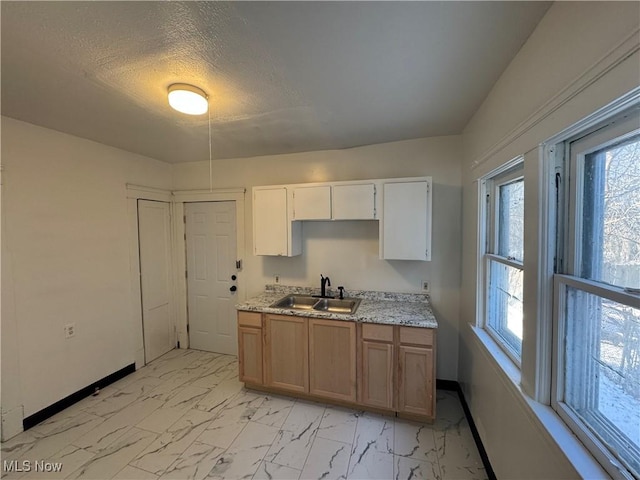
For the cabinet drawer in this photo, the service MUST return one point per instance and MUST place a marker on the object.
(416, 336)
(250, 319)
(381, 333)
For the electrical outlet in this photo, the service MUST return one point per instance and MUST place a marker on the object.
(276, 278)
(425, 286)
(70, 330)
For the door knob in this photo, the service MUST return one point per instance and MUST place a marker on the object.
(233, 288)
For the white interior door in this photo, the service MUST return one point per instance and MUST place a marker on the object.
(211, 256)
(154, 233)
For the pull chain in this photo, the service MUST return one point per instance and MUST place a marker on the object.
(210, 166)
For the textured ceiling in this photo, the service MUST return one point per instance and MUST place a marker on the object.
(282, 76)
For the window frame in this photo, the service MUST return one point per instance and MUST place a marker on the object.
(510, 172)
(545, 211)
(614, 129)
(597, 448)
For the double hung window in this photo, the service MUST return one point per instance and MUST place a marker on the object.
(502, 259)
(597, 306)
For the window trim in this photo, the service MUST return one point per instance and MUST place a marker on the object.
(607, 127)
(489, 185)
(532, 384)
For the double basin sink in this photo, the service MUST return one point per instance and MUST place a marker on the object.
(308, 302)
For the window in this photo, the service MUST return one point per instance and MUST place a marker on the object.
(597, 314)
(503, 256)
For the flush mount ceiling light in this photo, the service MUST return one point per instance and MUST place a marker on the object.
(188, 99)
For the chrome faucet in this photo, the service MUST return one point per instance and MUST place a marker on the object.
(324, 283)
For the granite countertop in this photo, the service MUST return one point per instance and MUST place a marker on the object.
(409, 309)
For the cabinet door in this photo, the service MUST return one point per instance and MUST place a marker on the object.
(406, 221)
(270, 229)
(415, 381)
(332, 359)
(286, 353)
(250, 354)
(377, 374)
(312, 203)
(353, 202)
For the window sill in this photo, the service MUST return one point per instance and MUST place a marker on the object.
(506, 363)
(544, 417)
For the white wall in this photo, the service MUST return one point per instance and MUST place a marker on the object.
(65, 259)
(348, 251)
(581, 57)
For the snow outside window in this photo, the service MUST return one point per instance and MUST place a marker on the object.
(597, 302)
(503, 258)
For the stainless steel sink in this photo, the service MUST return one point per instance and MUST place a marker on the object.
(307, 302)
(297, 302)
(336, 305)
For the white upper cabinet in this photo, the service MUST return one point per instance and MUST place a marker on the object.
(312, 203)
(340, 201)
(273, 233)
(403, 206)
(354, 202)
(405, 232)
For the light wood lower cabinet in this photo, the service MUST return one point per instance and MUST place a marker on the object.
(377, 365)
(286, 353)
(385, 367)
(377, 374)
(250, 347)
(332, 359)
(250, 354)
(416, 362)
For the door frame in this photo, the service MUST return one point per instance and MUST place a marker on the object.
(135, 193)
(181, 197)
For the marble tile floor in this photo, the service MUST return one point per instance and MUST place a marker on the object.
(186, 416)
